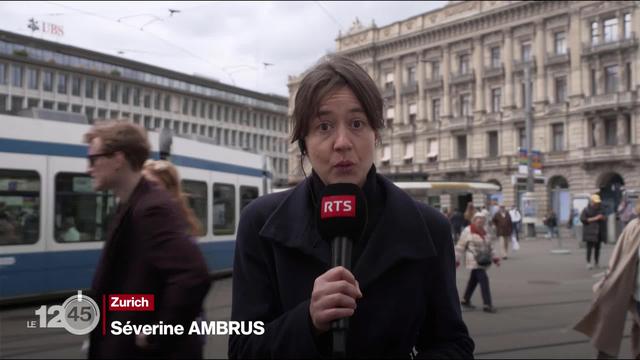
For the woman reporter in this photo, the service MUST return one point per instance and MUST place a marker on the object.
(401, 296)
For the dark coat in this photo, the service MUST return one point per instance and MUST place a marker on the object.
(406, 274)
(595, 231)
(458, 222)
(503, 224)
(148, 251)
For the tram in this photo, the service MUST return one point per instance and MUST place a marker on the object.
(52, 223)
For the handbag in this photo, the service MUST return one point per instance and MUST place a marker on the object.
(483, 258)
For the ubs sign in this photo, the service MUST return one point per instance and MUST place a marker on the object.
(45, 27)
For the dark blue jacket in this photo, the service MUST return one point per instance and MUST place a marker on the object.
(406, 274)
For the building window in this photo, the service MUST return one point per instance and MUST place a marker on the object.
(194, 107)
(167, 103)
(126, 93)
(102, 90)
(610, 30)
(210, 114)
(147, 101)
(525, 51)
(388, 80)
(496, 99)
(411, 75)
(558, 137)
(157, 101)
(610, 131)
(594, 84)
(463, 65)
(495, 57)
(76, 108)
(560, 42)
(627, 26)
(185, 106)
(47, 81)
(47, 104)
(522, 137)
(413, 113)
(595, 33)
(390, 115)
(627, 76)
(114, 92)
(408, 153)
(16, 75)
(62, 83)
(461, 147)
(435, 109)
(465, 105)
(432, 155)
(3, 73)
(611, 79)
(32, 78)
(88, 88)
(561, 89)
(89, 112)
(63, 107)
(33, 103)
(136, 96)
(435, 70)
(492, 143)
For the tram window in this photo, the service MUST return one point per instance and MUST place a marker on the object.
(224, 209)
(19, 207)
(247, 194)
(81, 214)
(196, 192)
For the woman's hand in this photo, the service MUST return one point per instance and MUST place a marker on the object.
(333, 297)
(496, 260)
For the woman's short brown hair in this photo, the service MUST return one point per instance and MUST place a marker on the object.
(333, 72)
(122, 136)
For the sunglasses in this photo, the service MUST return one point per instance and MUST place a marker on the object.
(94, 157)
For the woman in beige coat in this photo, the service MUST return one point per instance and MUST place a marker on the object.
(474, 241)
(615, 294)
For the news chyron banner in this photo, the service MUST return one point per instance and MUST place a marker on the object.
(79, 315)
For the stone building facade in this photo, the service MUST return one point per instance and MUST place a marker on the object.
(453, 85)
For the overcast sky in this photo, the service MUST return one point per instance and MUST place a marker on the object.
(228, 41)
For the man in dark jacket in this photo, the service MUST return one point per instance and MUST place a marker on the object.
(147, 251)
(594, 230)
(458, 223)
(502, 221)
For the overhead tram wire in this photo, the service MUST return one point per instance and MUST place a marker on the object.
(329, 15)
(152, 34)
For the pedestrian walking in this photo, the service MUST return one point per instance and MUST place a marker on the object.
(551, 222)
(504, 227)
(458, 223)
(478, 253)
(626, 211)
(146, 251)
(594, 230)
(516, 221)
(616, 294)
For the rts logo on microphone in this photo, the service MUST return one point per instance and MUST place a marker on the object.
(338, 206)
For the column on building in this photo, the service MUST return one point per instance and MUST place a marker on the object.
(420, 73)
(540, 91)
(478, 68)
(446, 73)
(507, 59)
(397, 150)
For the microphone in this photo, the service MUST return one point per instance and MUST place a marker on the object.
(341, 219)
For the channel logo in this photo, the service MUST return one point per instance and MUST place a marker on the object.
(78, 314)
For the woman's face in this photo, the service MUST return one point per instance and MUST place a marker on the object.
(341, 142)
(478, 221)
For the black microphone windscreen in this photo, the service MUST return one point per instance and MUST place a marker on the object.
(343, 211)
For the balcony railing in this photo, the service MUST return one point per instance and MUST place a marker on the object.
(389, 91)
(403, 129)
(519, 65)
(455, 165)
(558, 108)
(557, 59)
(433, 84)
(493, 117)
(613, 100)
(462, 78)
(610, 45)
(612, 153)
(493, 71)
(410, 88)
(460, 122)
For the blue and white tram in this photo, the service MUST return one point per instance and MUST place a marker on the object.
(45, 191)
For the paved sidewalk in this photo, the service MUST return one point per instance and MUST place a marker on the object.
(539, 296)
